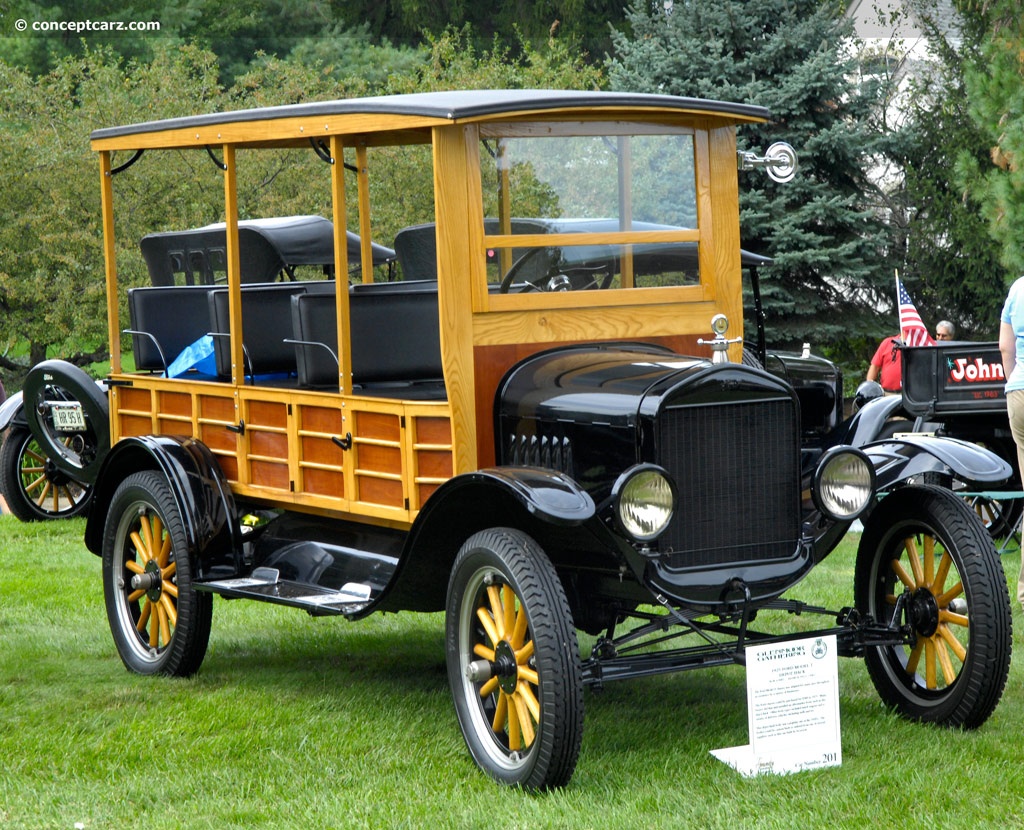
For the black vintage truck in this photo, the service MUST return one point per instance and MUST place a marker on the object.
(539, 425)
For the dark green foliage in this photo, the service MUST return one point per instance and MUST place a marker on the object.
(830, 247)
(947, 248)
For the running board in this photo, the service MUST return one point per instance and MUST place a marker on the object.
(266, 585)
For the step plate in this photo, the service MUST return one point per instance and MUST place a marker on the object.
(315, 599)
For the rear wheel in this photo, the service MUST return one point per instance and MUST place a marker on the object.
(32, 486)
(925, 558)
(513, 661)
(160, 623)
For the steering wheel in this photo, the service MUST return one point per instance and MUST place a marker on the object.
(545, 276)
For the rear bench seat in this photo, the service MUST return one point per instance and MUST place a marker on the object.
(164, 320)
(396, 339)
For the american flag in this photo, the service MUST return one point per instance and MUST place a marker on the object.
(911, 326)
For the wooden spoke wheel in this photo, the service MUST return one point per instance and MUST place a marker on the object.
(160, 623)
(33, 487)
(927, 560)
(513, 661)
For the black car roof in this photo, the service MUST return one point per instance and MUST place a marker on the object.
(454, 105)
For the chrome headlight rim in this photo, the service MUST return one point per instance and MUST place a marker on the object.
(632, 493)
(844, 474)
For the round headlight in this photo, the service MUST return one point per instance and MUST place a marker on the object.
(844, 484)
(644, 501)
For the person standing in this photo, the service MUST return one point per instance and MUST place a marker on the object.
(1011, 348)
(887, 364)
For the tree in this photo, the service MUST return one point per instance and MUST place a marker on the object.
(946, 246)
(994, 82)
(51, 264)
(830, 248)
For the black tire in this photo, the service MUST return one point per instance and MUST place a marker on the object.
(35, 490)
(524, 725)
(162, 626)
(958, 607)
(76, 454)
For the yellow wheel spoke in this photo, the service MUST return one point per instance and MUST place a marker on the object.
(948, 675)
(488, 687)
(168, 606)
(524, 654)
(480, 650)
(914, 657)
(154, 625)
(140, 546)
(531, 700)
(946, 598)
(519, 630)
(529, 675)
(508, 601)
(930, 678)
(523, 716)
(915, 560)
(514, 738)
(147, 537)
(940, 576)
(134, 567)
(169, 571)
(494, 595)
(135, 596)
(165, 551)
(158, 527)
(169, 588)
(929, 560)
(904, 577)
(950, 618)
(147, 609)
(488, 623)
(500, 719)
(165, 631)
(953, 642)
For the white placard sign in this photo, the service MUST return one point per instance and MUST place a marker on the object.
(792, 709)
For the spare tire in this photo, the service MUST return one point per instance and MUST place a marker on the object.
(68, 414)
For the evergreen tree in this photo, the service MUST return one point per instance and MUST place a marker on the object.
(830, 271)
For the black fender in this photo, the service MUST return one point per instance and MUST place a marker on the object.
(898, 459)
(12, 411)
(543, 503)
(868, 422)
(199, 486)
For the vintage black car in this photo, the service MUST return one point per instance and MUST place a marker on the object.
(545, 428)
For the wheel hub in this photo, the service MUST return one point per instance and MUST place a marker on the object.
(924, 612)
(505, 667)
(151, 581)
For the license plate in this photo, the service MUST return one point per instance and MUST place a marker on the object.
(68, 417)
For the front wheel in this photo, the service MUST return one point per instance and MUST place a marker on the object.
(160, 623)
(32, 485)
(513, 661)
(926, 558)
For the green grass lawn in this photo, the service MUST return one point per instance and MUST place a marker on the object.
(320, 723)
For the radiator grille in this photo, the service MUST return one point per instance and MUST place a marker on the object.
(737, 469)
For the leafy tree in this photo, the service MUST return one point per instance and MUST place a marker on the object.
(51, 264)
(829, 246)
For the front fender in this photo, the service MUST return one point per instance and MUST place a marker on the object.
(868, 422)
(898, 459)
(543, 503)
(12, 411)
(200, 489)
